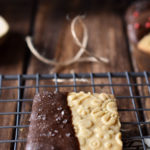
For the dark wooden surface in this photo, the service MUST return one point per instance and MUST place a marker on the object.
(12, 53)
(52, 37)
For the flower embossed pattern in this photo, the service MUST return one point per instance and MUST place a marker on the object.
(96, 120)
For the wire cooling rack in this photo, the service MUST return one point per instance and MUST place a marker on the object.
(132, 91)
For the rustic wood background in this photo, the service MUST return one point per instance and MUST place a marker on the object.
(46, 21)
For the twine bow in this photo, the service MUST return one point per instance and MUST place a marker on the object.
(78, 57)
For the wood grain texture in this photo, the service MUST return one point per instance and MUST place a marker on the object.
(10, 65)
(12, 52)
(53, 39)
(141, 63)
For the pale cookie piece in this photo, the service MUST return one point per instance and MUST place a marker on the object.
(118, 139)
(96, 102)
(4, 27)
(108, 119)
(86, 123)
(144, 44)
(95, 143)
(85, 133)
(96, 121)
(82, 141)
(83, 111)
(107, 136)
(112, 107)
(108, 145)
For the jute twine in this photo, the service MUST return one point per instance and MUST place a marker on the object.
(78, 56)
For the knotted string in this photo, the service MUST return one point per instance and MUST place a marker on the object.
(78, 57)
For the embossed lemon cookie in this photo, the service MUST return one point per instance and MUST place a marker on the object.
(96, 121)
(4, 28)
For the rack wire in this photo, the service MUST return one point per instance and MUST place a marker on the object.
(131, 89)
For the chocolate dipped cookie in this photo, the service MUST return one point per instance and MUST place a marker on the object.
(74, 121)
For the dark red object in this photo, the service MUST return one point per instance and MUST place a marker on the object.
(147, 25)
(136, 25)
(136, 14)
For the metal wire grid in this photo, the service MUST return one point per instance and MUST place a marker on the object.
(91, 76)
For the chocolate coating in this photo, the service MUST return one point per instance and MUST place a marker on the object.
(51, 124)
(143, 10)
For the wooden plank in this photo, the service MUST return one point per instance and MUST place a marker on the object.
(11, 61)
(106, 38)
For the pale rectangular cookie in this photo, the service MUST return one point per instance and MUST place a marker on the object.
(96, 121)
(144, 44)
